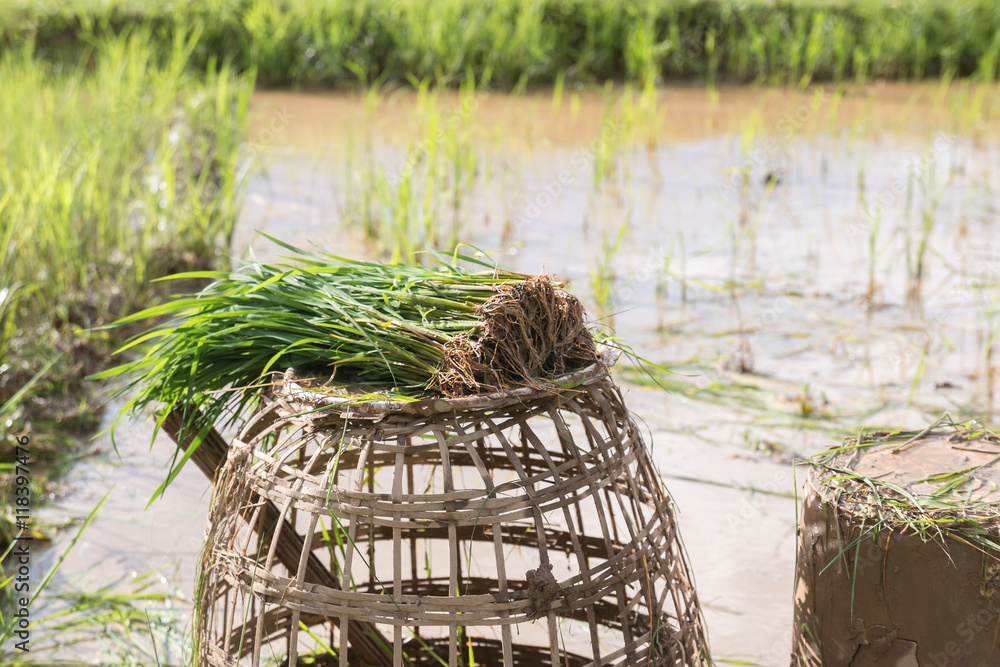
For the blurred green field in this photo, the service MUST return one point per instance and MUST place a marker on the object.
(520, 42)
(118, 169)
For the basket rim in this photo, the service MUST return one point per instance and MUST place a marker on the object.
(292, 391)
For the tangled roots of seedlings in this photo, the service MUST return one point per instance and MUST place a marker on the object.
(531, 331)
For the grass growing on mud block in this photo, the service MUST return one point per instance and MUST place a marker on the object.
(403, 331)
(959, 503)
(116, 169)
(515, 42)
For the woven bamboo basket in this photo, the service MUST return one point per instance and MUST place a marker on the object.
(527, 528)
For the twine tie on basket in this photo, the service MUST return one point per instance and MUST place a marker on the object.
(542, 589)
(238, 453)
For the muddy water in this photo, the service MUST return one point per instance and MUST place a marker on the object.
(749, 220)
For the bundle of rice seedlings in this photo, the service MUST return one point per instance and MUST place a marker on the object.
(403, 331)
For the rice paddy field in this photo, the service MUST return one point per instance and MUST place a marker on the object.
(791, 206)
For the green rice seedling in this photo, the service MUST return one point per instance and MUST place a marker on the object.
(612, 126)
(919, 372)
(943, 85)
(989, 61)
(988, 297)
(959, 107)
(397, 330)
(860, 64)
(138, 628)
(402, 203)
(643, 50)
(521, 87)
(919, 67)
(628, 119)
(757, 50)
(916, 248)
(770, 405)
(873, 218)
(10, 293)
(873, 229)
(774, 33)
(796, 45)
(605, 274)
(681, 276)
(663, 285)
(712, 67)
(734, 254)
(557, 90)
(974, 112)
(843, 45)
(744, 233)
(873, 55)
(648, 117)
(814, 49)
(574, 106)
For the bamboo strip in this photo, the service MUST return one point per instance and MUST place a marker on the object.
(555, 489)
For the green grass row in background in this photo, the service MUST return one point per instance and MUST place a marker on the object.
(321, 43)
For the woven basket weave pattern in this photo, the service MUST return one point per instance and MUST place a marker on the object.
(501, 529)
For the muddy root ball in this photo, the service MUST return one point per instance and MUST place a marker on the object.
(532, 331)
